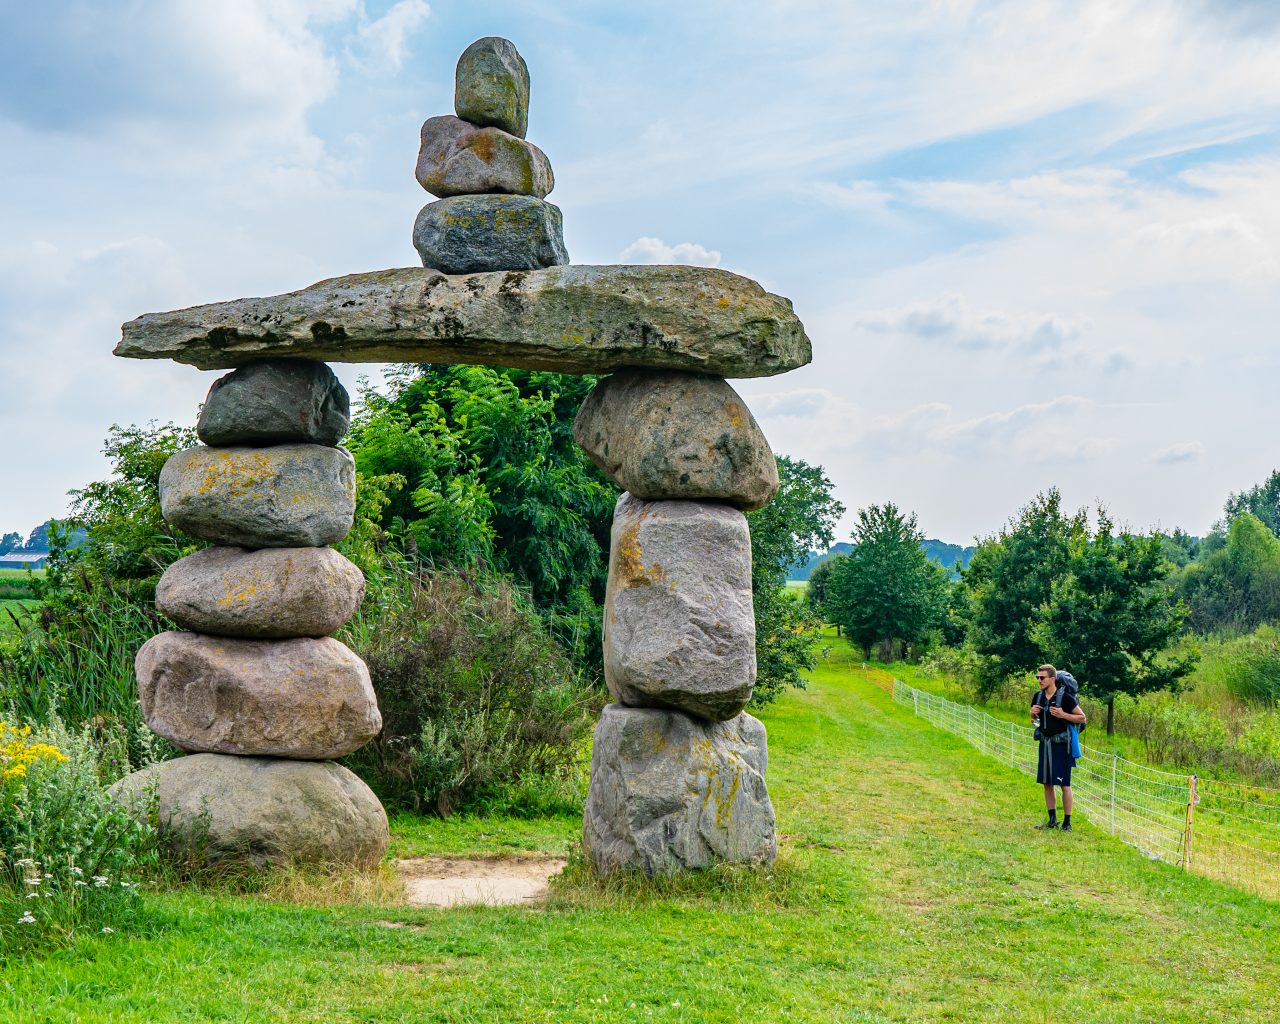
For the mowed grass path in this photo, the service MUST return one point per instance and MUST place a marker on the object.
(910, 887)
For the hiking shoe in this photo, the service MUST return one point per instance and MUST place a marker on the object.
(1048, 824)
(1066, 827)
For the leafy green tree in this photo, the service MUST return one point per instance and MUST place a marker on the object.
(802, 516)
(1109, 617)
(1262, 501)
(820, 587)
(9, 541)
(887, 589)
(1008, 582)
(1235, 587)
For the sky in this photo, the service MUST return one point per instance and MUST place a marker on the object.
(1034, 243)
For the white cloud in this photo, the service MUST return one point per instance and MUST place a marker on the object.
(948, 319)
(1188, 451)
(380, 46)
(655, 250)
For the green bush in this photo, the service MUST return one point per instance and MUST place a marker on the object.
(479, 703)
(1251, 666)
(70, 859)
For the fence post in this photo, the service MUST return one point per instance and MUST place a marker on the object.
(1115, 759)
(915, 701)
(1186, 839)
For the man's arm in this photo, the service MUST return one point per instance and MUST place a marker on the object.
(1076, 715)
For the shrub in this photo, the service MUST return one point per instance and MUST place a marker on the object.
(69, 857)
(1251, 666)
(479, 703)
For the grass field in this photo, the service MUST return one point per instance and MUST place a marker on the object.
(910, 887)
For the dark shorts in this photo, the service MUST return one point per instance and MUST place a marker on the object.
(1055, 763)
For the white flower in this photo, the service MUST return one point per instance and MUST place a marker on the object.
(33, 881)
(107, 931)
(100, 881)
(33, 895)
(81, 882)
(76, 871)
(26, 919)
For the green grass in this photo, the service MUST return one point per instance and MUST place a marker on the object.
(909, 887)
(16, 607)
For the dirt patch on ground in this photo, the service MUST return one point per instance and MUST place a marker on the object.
(454, 882)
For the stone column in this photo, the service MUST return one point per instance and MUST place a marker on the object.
(677, 770)
(254, 689)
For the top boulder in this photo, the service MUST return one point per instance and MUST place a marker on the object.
(491, 86)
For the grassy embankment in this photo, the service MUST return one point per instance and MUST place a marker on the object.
(15, 595)
(910, 887)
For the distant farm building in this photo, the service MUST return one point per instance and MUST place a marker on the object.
(24, 560)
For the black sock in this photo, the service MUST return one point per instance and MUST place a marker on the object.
(1053, 816)
(1066, 819)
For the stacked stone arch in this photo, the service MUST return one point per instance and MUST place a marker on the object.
(256, 690)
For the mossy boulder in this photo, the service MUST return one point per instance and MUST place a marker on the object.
(475, 234)
(276, 401)
(672, 793)
(456, 158)
(491, 86)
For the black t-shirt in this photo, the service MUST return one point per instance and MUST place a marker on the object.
(1049, 725)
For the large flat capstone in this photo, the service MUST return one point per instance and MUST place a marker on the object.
(672, 793)
(261, 810)
(574, 319)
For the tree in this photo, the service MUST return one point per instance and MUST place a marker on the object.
(1262, 501)
(1008, 582)
(1109, 617)
(887, 589)
(1235, 587)
(801, 516)
(9, 541)
(820, 587)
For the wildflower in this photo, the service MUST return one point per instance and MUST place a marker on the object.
(26, 919)
(101, 881)
(33, 881)
(81, 881)
(76, 871)
(33, 895)
(107, 931)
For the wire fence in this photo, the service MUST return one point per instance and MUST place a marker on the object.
(1222, 830)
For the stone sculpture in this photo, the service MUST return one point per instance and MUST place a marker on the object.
(255, 689)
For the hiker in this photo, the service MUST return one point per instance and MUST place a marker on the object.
(1053, 732)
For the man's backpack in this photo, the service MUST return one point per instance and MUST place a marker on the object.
(1067, 682)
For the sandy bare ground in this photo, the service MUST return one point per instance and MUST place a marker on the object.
(452, 882)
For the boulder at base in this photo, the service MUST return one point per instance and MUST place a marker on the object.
(671, 793)
(458, 159)
(271, 593)
(288, 496)
(276, 401)
(573, 319)
(666, 434)
(260, 810)
(477, 234)
(679, 626)
(305, 699)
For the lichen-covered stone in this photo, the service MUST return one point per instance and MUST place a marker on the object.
(672, 793)
(574, 319)
(306, 699)
(666, 434)
(478, 234)
(457, 159)
(276, 401)
(271, 593)
(258, 811)
(289, 496)
(491, 86)
(679, 626)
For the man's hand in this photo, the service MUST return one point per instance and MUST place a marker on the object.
(1057, 712)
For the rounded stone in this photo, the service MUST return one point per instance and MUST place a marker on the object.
(276, 401)
(664, 434)
(457, 158)
(304, 698)
(475, 234)
(288, 496)
(679, 626)
(271, 593)
(671, 793)
(491, 86)
(260, 811)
